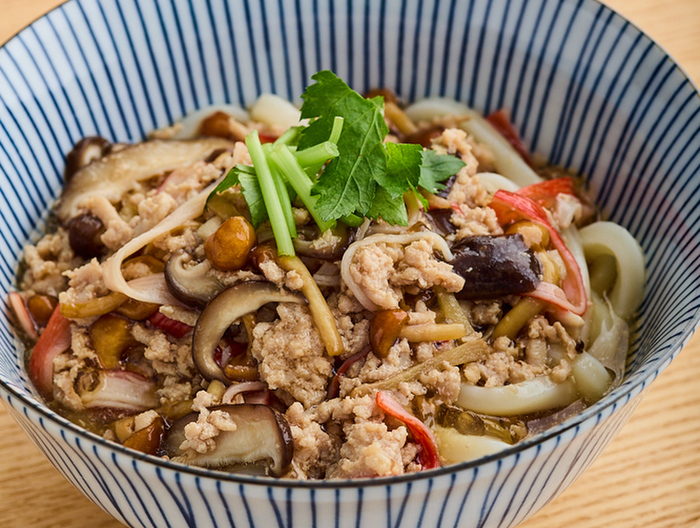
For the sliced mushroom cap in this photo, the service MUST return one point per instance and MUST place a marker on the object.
(192, 285)
(221, 312)
(262, 435)
(115, 173)
(494, 266)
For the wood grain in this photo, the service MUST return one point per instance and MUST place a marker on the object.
(649, 477)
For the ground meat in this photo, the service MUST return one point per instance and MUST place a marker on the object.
(152, 210)
(314, 448)
(117, 230)
(175, 390)
(167, 358)
(291, 355)
(185, 182)
(45, 263)
(382, 270)
(485, 313)
(499, 369)
(200, 436)
(444, 382)
(85, 282)
(371, 450)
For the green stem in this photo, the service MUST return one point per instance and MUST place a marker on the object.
(317, 155)
(289, 166)
(268, 189)
(336, 129)
(288, 137)
(285, 200)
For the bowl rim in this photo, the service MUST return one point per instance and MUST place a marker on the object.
(624, 393)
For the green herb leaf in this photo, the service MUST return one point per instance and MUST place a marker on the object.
(436, 168)
(388, 208)
(251, 192)
(348, 183)
(403, 168)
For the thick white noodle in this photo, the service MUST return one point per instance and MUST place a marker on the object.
(591, 377)
(506, 160)
(274, 110)
(493, 182)
(611, 336)
(607, 238)
(529, 396)
(455, 447)
(403, 239)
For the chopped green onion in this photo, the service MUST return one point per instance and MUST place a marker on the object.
(289, 137)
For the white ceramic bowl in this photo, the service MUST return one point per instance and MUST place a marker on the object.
(585, 87)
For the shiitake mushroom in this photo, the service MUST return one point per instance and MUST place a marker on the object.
(495, 266)
(221, 312)
(262, 436)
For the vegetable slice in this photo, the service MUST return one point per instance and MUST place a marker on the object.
(115, 173)
(572, 296)
(473, 349)
(261, 435)
(529, 396)
(113, 277)
(55, 338)
(429, 456)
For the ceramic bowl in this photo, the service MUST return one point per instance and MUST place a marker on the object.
(587, 90)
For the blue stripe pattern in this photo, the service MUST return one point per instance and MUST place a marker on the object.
(586, 89)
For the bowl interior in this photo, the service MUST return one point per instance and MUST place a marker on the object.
(603, 100)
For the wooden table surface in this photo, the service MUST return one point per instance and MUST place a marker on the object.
(648, 477)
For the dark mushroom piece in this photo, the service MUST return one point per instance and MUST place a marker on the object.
(85, 236)
(84, 152)
(193, 285)
(494, 266)
(221, 312)
(115, 173)
(262, 435)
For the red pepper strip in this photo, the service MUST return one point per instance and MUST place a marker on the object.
(53, 340)
(545, 192)
(500, 120)
(170, 326)
(429, 456)
(334, 385)
(24, 318)
(510, 207)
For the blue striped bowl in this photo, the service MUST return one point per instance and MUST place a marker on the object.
(586, 88)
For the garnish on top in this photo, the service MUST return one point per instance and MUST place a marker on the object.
(339, 166)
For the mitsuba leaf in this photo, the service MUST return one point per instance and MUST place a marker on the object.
(403, 168)
(390, 209)
(436, 168)
(244, 175)
(348, 183)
